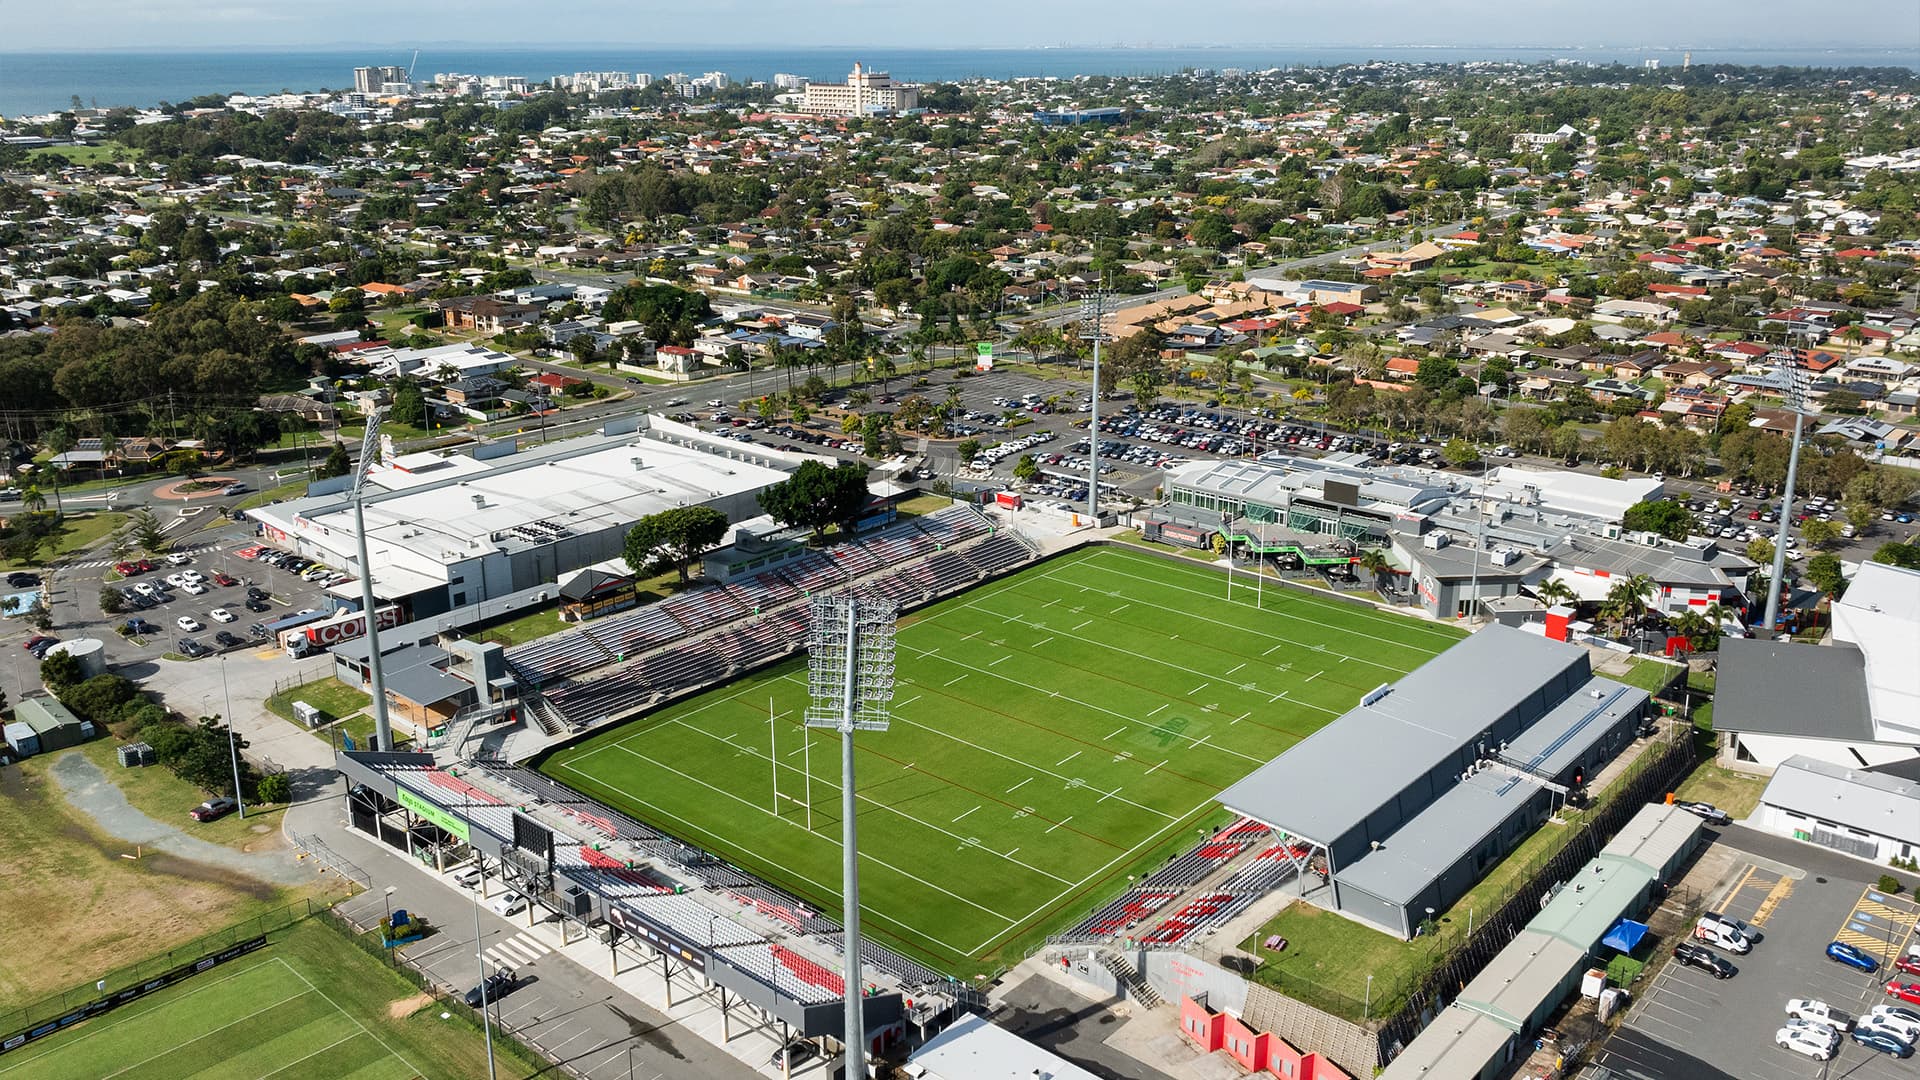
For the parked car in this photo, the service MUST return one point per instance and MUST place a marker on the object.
(194, 588)
(1908, 992)
(257, 606)
(212, 809)
(38, 641)
(507, 905)
(255, 592)
(1721, 935)
(1852, 957)
(224, 581)
(189, 624)
(1813, 1040)
(793, 1054)
(469, 878)
(1706, 812)
(20, 579)
(220, 614)
(493, 988)
(1705, 959)
(1895, 1018)
(1884, 1040)
(227, 640)
(140, 626)
(192, 649)
(179, 558)
(126, 569)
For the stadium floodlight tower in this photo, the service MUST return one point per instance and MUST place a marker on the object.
(1094, 313)
(1793, 393)
(369, 455)
(850, 682)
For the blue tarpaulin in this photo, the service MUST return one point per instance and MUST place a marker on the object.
(1625, 935)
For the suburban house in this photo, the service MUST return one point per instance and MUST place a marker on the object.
(484, 314)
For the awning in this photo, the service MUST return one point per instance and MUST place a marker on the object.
(1625, 935)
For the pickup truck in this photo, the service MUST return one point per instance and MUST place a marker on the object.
(1819, 1012)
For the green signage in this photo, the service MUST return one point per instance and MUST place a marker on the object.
(433, 813)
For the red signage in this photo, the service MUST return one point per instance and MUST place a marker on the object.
(328, 634)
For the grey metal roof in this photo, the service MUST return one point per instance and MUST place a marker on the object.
(1872, 802)
(1329, 782)
(974, 1048)
(1780, 688)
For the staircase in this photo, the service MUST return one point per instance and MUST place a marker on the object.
(1137, 986)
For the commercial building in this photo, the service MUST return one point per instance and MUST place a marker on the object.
(1854, 702)
(374, 80)
(42, 725)
(1496, 1014)
(1867, 813)
(1428, 782)
(449, 531)
(865, 93)
(975, 1048)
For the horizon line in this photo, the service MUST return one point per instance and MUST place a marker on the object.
(472, 46)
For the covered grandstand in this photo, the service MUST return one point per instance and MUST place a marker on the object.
(1462, 758)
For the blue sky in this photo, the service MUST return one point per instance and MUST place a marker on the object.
(83, 24)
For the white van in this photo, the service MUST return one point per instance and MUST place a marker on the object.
(1721, 934)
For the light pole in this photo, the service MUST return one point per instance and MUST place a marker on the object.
(480, 958)
(1794, 394)
(233, 744)
(850, 680)
(1366, 1008)
(369, 449)
(1096, 313)
(386, 898)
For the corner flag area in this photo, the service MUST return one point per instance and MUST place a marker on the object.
(1054, 732)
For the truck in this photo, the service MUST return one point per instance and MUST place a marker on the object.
(274, 628)
(324, 634)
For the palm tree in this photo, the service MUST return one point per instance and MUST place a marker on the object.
(1695, 628)
(1375, 563)
(1626, 602)
(886, 369)
(31, 498)
(1554, 592)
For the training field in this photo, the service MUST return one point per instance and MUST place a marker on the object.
(1052, 731)
(310, 1004)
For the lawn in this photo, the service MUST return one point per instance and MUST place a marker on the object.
(76, 532)
(1736, 793)
(1053, 732)
(282, 493)
(332, 697)
(85, 155)
(155, 791)
(1653, 676)
(81, 888)
(921, 504)
(311, 1003)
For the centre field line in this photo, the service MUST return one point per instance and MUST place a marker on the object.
(964, 813)
(1020, 785)
(1069, 757)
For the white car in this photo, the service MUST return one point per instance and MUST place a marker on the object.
(146, 589)
(1817, 1041)
(1897, 1017)
(220, 614)
(192, 575)
(179, 558)
(1815, 1011)
(175, 581)
(507, 905)
(193, 588)
(189, 624)
(316, 572)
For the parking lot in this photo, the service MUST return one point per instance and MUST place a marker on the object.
(1685, 1018)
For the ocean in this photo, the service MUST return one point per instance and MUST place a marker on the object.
(38, 82)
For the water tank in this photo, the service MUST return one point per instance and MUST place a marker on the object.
(91, 652)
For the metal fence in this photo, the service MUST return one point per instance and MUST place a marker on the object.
(57, 1005)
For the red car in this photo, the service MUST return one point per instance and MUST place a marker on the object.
(1906, 991)
(1907, 964)
(126, 569)
(35, 640)
(144, 565)
(222, 579)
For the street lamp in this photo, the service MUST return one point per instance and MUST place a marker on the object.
(1366, 1008)
(387, 898)
(233, 744)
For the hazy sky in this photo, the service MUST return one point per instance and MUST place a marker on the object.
(83, 24)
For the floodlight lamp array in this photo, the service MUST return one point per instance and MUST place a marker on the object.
(850, 670)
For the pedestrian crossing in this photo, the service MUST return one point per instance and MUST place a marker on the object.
(519, 950)
(187, 549)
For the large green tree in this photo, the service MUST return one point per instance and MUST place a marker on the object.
(818, 495)
(673, 538)
(1669, 519)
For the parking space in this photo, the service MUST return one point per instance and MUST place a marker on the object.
(211, 598)
(1685, 1018)
(1879, 925)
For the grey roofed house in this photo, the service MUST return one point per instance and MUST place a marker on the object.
(1338, 780)
(1780, 688)
(1887, 804)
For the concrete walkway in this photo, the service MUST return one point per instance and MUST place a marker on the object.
(92, 793)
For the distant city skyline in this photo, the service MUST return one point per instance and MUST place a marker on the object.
(101, 24)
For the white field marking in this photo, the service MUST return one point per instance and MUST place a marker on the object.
(971, 636)
(1203, 738)
(1114, 732)
(1120, 609)
(866, 912)
(964, 813)
(955, 679)
(1020, 785)
(1051, 602)
(1275, 649)
(945, 734)
(1204, 806)
(1010, 853)
(1161, 661)
(1239, 718)
(908, 702)
(1003, 656)
(1325, 611)
(130, 1014)
(1315, 675)
(1059, 823)
(1276, 697)
(316, 1053)
(1249, 632)
(1157, 708)
(801, 749)
(1107, 796)
(1236, 667)
(1039, 644)
(177, 1047)
(1157, 764)
(863, 855)
(1091, 707)
(1066, 759)
(350, 1016)
(1089, 622)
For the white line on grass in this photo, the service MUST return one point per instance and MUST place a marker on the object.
(316, 1053)
(945, 734)
(1068, 758)
(956, 678)
(964, 813)
(1203, 738)
(1059, 823)
(1082, 626)
(1315, 675)
(1235, 667)
(356, 1022)
(1042, 644)
(1020, 785)
(1003, 657)
(177, 1047)
(1157, 708)
(1114, 732)
(128, 1015)
(1196, 689)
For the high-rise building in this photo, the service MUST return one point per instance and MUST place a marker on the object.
(863, 94)
(789, 82)
(373, 80)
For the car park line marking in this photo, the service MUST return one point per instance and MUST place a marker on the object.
(1780, 891)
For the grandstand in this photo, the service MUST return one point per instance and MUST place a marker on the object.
(698, 636)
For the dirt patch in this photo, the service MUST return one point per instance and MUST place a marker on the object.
(407, 1006)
